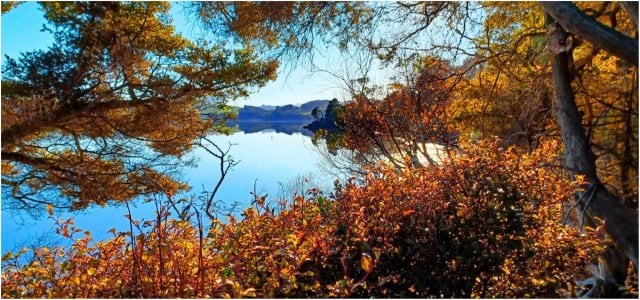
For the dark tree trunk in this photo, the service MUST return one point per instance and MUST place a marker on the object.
(621, 222)
(601, 36)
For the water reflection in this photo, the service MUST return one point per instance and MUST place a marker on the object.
(277, 126)
(275, 156)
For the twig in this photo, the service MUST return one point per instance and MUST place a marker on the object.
(593, 188)
(226, 163)
(591, 192)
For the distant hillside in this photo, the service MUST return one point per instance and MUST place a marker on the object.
(268, 107)
(287, 112)
(309, 106)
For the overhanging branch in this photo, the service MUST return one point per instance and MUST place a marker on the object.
(607, 38)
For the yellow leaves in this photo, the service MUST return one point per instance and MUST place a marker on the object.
(44, 251)
(88, 146)
(250, 213)
(250, 293)
(538, 282)
(506, 270)
(50, 209)
(7, 256)
(366, 262)
(474, 214)
(7, 168)
(520, 88)
(294, 239)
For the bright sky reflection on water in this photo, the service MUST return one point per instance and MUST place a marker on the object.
(266, 158)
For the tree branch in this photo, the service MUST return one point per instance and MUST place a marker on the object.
(621, 221)
(578, 23)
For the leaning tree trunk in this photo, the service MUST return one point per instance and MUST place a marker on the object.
(621, 222)
(577, 22)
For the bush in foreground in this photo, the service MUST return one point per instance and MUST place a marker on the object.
(484, 224)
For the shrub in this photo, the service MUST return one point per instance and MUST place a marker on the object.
(484, 224)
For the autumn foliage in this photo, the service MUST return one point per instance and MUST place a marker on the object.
(405, 121)
(108, 113)
(484, 224)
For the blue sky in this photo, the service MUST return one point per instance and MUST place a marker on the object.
(21, 32)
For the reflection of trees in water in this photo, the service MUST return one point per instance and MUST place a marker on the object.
(301, 185)
(297, 186)
(340, 162)
(279, 127)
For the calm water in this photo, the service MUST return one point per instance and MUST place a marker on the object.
(273, 160)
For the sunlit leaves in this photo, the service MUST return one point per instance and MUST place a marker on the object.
(405, 121)
(366, 262)
(485, 224)
(509, 93)
(286, 27)
(112, 108)
(122, 90)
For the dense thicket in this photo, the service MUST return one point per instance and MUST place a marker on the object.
(484, 225)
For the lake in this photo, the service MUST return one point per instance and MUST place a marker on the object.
(273, 159)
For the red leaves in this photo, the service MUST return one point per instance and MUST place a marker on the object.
(487, 222)
(403, 122)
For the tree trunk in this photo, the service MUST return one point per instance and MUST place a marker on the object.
(601, 36)
(621, 222)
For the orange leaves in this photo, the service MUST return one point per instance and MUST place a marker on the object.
(483, 207)
(404, 121)
(294, 25)
(485, 223)
(50, 209)
(509, 94)
(408, 212)
(120, 90)
(366, 262)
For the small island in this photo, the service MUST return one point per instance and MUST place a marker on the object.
(329, 120)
